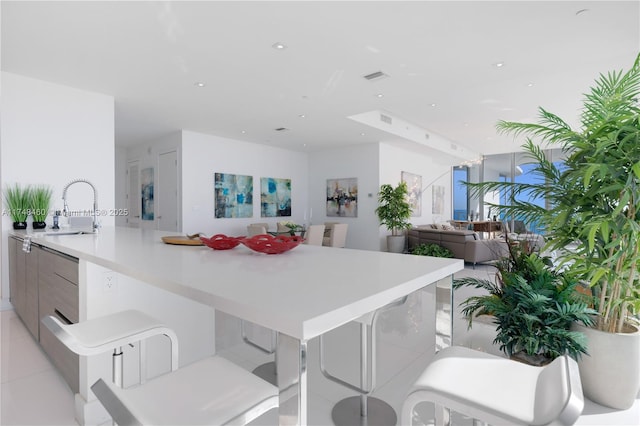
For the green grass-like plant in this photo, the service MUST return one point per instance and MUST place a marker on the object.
(16, 201)
(40, 202)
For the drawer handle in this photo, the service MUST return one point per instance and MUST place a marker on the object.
(62, 317)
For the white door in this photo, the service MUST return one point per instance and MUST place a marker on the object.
(134, 198)
(167, 193)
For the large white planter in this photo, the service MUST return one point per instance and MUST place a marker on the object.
(610, 374)
(395, 243)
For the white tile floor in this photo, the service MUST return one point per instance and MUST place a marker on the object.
(32, 392)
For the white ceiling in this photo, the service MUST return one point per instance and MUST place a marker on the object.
(149, 55)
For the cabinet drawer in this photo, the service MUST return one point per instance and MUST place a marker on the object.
(67, 362)
(56, 293)
(59, 264)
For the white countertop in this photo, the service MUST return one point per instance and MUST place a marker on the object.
(303, 293)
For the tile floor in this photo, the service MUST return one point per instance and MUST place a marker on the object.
(32, 392)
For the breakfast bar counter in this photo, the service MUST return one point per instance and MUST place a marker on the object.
(300, 294)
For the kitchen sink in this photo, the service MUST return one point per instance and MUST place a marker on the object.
(68, 232)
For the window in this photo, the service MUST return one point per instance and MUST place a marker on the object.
(460, 193)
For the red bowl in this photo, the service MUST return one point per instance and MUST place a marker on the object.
(265, 243)
(221, 241)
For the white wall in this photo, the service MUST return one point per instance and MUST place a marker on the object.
(203, 155)
(52, 134)
(357, 161)
(395, 160)
(121, 183)
(147, 154)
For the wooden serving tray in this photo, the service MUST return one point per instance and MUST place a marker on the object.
(182, 240)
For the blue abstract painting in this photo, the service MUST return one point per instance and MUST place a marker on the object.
(146, 191)
(233, 195)
(275, 197)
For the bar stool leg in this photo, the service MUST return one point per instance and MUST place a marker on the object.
(268, 370)
(117, 367)
(364, 409)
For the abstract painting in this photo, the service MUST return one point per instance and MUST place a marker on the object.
(414, 185)
(342, 197)
(275, 197)
(233, 195)
(146, 192)
(437, 206)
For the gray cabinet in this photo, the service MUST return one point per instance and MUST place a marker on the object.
(23, 279)
(45, 282)
(58, 296)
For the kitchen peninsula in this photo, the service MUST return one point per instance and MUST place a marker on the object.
(300, 294)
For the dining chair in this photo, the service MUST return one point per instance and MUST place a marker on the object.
(337, 234)
(497, 390)
(314, 235)
(256, 229)
(210, 391)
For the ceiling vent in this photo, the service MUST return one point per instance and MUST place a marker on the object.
(282, 129)
(386, 119)
(378, 75)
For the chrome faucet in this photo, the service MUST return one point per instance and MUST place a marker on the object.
(65, 208)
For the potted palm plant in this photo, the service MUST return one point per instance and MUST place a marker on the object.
(533, 307)
(394, 212)
(16, 201)
(594, 203)
(39, 204)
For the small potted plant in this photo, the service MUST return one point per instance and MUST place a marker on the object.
(394, 212)
(431, 249)
(533, 307)
(39, 204)
(16, 201)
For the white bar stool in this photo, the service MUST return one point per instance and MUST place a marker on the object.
(363, 409)
(497, 390)
(209, 391)
(112, 332)
(212, 391)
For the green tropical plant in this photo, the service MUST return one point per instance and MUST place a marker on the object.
(533, 307)
(430, 249)
(394, 211)
(594, 196)
(40, 202)
(16, 200)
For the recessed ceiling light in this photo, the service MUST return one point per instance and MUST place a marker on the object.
(499, 64)
(302, 116)
(529, 84)
(433, 105)
(199, 84)
(362, 134)
(243, 132)
(279, 46)
(379, 95)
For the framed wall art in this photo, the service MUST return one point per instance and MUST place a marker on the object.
(437, 206)
(146, 192)
(233, 195)
(275, 197)
(414, 185)
(342, 197)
